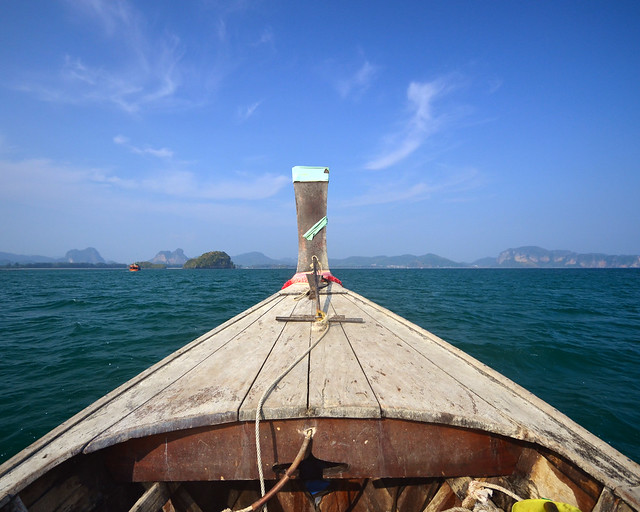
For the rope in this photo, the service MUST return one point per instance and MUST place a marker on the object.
(321, 324)
(499, 488)
(478, 492)
(314, 261)
(268, 391)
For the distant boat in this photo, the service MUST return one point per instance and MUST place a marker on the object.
(317, 399)
(134, 267)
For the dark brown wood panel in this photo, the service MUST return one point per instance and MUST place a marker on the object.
(350, 448)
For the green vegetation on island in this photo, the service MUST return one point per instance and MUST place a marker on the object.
(214, 259)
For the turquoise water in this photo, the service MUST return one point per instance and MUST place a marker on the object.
(572, 337)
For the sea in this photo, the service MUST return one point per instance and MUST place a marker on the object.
(570, 336)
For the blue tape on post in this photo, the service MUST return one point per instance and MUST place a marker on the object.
(305, 173)
(315, 229)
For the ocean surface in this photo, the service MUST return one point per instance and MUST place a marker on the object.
(572, 337)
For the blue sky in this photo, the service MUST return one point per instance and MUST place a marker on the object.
(459, 128)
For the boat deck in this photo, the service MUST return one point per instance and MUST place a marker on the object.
(378, 367)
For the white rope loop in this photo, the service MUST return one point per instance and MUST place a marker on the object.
(266, 394)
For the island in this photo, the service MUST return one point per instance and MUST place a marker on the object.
(213, 259)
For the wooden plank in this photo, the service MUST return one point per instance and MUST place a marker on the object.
(357, 448)
(544, 480)
(580, 478)
(416, 495)
(444, 499)
(485, 383)
(72, 436)
(374, 498)
(408, 385)
(184, 501)
(606, 502)
(338, 386)
(535, 420)
(344, 495)
(153, 498)
(289, 398)
(15, 505)
(82, 483)
(211, 391)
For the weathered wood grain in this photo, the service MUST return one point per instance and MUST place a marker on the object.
(338, 387)
(408, 385)
(75, 434)
(211, 391)
(289, 397)
(153, 498)
(385, 369)
(518, 413)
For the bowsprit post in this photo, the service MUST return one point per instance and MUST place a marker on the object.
(310, 185)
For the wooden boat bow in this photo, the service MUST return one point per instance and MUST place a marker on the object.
(393, 407)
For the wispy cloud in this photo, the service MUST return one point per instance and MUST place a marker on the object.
(495, 84)
(110, 14)
(450, 184)
(391, 193)
(43, 180)
(188, 185)
(358, 82)
(121, 140)
(5, 147)
(420, 125)
(60, 205)
(266, 37)
(146, 73)
(245, 112)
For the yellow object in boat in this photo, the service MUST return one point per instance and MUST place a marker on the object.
(542, 505)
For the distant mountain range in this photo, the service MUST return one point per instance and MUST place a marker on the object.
(521, 257)
(171, 259)
(259, 260)
(88, 255)
(536, 257)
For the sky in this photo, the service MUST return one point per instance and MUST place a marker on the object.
(459, 128)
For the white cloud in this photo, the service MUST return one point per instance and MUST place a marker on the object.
(146, 70)
(391, 193)
(265, 38)
(421, 124)
(358, 82)
(111, 14)
(42, 180)
(246, 112)
(447, 183)
(221, 30)
(5, 147)
(54, 206)
(159, 153)
(187, 185)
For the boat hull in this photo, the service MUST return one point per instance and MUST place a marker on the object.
(359, 464)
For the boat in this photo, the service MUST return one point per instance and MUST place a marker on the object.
(318, 399)
(134, 267)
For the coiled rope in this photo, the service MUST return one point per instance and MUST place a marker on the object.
(478, 494)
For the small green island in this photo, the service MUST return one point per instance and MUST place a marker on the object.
(214, 259)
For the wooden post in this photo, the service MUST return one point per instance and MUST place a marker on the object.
(310, 185)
